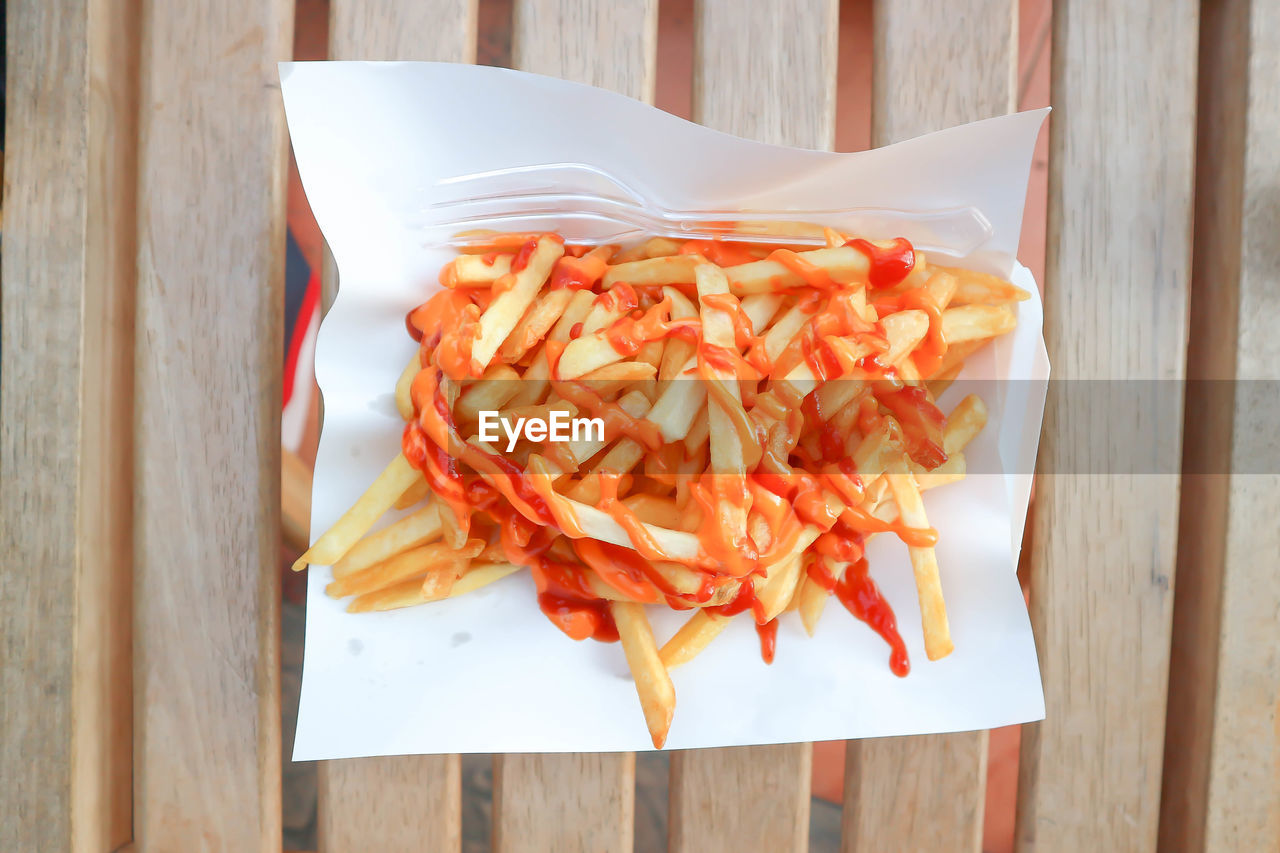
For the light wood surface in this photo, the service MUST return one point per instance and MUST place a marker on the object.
(568, 802)
(209, 300)
(915, 793)
(1222, 749)
(398, 802)
(744, 798)
(768, 72)
(757, 797)
(66, 404)
(1116, 285)
(928, 792)
(102, 749)
(592, 803)
(611, 45)
(412, 801)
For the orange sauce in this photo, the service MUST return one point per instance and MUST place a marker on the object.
(499, 498)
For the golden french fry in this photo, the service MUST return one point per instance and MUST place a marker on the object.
(813, 600)
(414, 562)
(924, 564)
(357, 521)
(693, 636)
(964, 423)
(977, 322)
(418, 528)
(509, 306)
(413, 495)
(479, 270)
(980, 288)
(535, 324)
(653, 684)
(490, 393)
(481, 574)
(673, 269)
(404, 405)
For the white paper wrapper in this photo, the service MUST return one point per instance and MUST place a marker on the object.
(487, 672)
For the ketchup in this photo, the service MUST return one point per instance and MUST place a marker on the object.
(890, 265)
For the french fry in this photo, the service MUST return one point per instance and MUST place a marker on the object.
(977, 322)
(509, 306)
(415, 494)
(653, 684)
(356, 521)
(404, 405)
(535, 324)
(673, 269)
(418, 528)
(728, 391)
(924, 563)
(978, 288)
(693, 636)
(479, 270)
(490, 393)
(414, 562)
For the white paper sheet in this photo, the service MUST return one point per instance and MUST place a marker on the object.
(487, 672)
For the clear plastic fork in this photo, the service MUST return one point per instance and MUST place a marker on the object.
(587, 204)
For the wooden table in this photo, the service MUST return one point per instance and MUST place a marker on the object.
(139, 452)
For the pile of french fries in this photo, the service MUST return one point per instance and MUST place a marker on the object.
(766, 411)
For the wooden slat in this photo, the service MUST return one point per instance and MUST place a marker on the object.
(915, 793)
(1116, 285)
(769, 75)
(610, 45)
(744, 798)
(928, 792)
(210, 281)
(400, 802)
(413, 801)
(575, 801)
(1222, 747)
(571, 802)
(65, 444)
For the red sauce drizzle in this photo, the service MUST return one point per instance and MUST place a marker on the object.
(521, 260)
(861, 597)
(768, 633)
(889, 264)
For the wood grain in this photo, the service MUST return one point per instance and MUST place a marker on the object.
(1221, 786)
(743, 798)
(915, 793)
(928, 792)
(210, 295)
(102, 749)
(415, 801)
(769, 75)
(610, 45)
(567, 802)
(1116, 289)
(575, 801)
(66, 429)
(399, 802)
(930, 73)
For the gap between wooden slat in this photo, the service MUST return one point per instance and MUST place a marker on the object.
(1117, 274)
(1221, 785)
(929, 791)
(207, 359)
(409, 801)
